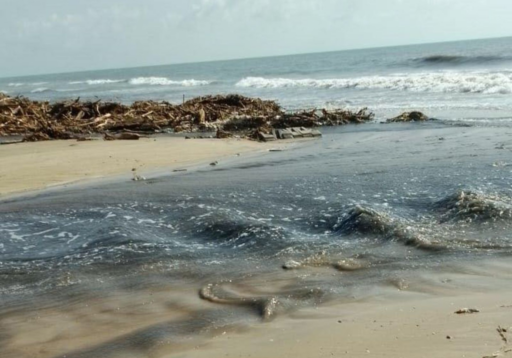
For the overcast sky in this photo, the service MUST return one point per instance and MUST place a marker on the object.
(51, 36)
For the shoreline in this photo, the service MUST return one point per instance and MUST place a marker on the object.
(385, 321)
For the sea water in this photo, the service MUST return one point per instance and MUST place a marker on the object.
(468, 80)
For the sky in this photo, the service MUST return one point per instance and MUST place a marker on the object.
(54, 36)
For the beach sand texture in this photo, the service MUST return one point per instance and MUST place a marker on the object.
(33, 166)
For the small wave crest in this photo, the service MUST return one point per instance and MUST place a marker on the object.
(41, 90)
(367, 221)
(473, 207)
(96, 82)
(440, 82)
(164, 81)
(243, 233)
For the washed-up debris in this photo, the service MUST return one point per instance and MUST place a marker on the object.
(339, 117)
(315, 118)
(467, 311)
(501, 331)
(215, 163)
(264, 137)
(122, 136)
(222, 134)
(410, 117)
(322, 260)
(136, 176)
(284, 134)
(11, 142)
(250, 117)
(267, 307)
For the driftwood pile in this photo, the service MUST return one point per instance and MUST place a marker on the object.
(232, 113)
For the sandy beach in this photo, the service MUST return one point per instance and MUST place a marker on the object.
(33, 166)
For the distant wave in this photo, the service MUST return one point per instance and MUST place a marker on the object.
(164, 81)
(459, 60)
(96, 82)
(444, 82)
(15, 84)
(46, 89)
(41, 90)
(151, 81)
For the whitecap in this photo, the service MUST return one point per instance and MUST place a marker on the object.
(96, 82)
(164, 81)
(440, 82)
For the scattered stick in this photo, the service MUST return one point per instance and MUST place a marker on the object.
(467, 311)
(501, 332)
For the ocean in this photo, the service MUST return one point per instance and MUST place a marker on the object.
(460, 81)
(142, 269)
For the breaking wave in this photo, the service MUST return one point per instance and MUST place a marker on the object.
(459, 60)
(164, 81)
(96, 82)
(442, 82)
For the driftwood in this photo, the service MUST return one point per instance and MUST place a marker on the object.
(75, 119)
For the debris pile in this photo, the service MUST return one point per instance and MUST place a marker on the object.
(342, 116)
(36, 120)
(410, 117)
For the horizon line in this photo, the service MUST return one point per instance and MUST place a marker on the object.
(251, 58)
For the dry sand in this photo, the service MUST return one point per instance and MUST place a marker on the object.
(33, 166)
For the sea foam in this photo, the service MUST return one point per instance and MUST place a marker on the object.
(443, 82)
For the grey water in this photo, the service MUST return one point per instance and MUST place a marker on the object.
(467, 81)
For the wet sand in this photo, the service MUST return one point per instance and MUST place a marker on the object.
(32, 166)
(401, 325)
